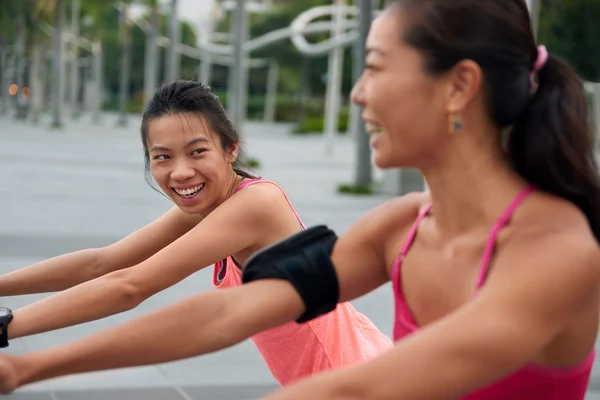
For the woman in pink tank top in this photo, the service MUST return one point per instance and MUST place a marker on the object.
(291, 351)
(495, 270)
(190, 150)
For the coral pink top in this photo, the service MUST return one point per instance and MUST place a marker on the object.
(533, 382)
(291, 351)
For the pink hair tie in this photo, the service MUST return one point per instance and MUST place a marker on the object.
(541, 60)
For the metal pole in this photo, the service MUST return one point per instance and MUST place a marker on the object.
(534, 12)
(151, 69)
(57, 65)
(305, 89)
(74, 60)
(2, 72)
(171, 71)
(334, 82)
(205, 66)
(238, 68)
(232, 70)
(21, 57)
(125, 65)
(97, 73)
(271, 97)
(363, 175)
(36, 82)
(245, 71)
(63, 59)
(205, 70)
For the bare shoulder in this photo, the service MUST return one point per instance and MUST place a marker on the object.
(397, 217)
(265, 199)
(547, 219)
(365, 252)
(400, 211)
(387, 225)
(264, 209)
(551, 241)
(544, 280)
(266, 190)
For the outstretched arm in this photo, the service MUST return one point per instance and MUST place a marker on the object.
(234, 226)
(525, 303)
(67, 270)
(204, 323)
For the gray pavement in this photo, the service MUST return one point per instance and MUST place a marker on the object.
(83, 187)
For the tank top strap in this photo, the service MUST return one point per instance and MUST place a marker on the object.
(248, 182)
(260, 180)
(501, 222)
(413, 231)
(395, 275)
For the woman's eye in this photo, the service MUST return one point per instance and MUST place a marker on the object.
(198, 151)
(160, 157)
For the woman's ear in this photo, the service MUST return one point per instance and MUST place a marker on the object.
(232, 152)
(465, 81)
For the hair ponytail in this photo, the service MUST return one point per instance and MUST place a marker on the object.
(551, 145)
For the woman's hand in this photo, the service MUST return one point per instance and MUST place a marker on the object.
(8, 374)
(204, 323)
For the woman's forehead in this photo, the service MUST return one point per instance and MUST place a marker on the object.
(179, 127)
(385, 29)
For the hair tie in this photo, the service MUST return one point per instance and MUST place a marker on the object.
(541, 60)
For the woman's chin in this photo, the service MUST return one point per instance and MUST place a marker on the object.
(381, 161)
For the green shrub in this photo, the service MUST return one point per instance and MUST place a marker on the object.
(314, 124)
(251, 162)
(360, 190)
(133, 106)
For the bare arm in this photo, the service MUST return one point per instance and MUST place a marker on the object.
(485, 340)
(204, 323)
(65, 271)
(508, 332)
(234, 226)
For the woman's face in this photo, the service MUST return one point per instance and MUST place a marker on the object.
(404, 108)
(188, 162)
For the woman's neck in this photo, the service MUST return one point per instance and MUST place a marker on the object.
(470, 189)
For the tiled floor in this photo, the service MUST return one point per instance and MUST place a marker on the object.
(246, 392)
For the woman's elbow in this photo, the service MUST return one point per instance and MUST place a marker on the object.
(127, 293)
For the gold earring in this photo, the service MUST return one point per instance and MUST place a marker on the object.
(455, 123)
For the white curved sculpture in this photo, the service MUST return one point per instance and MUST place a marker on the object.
(344, 32)
(300, 25)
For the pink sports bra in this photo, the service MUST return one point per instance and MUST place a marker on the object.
(533, 382)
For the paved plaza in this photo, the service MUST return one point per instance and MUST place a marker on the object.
(83, 186)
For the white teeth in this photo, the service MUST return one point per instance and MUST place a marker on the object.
(190, 191)
(373, 129)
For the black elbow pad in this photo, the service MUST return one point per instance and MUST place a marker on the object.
(303, 259)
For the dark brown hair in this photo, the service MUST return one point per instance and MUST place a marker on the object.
(550, 142)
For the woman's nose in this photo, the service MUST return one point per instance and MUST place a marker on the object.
(356, 96)
(182, 171)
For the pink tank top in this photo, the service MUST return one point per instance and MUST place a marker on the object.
(291, 351)
(533, 382)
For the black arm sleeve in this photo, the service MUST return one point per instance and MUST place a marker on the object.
(304, 260)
